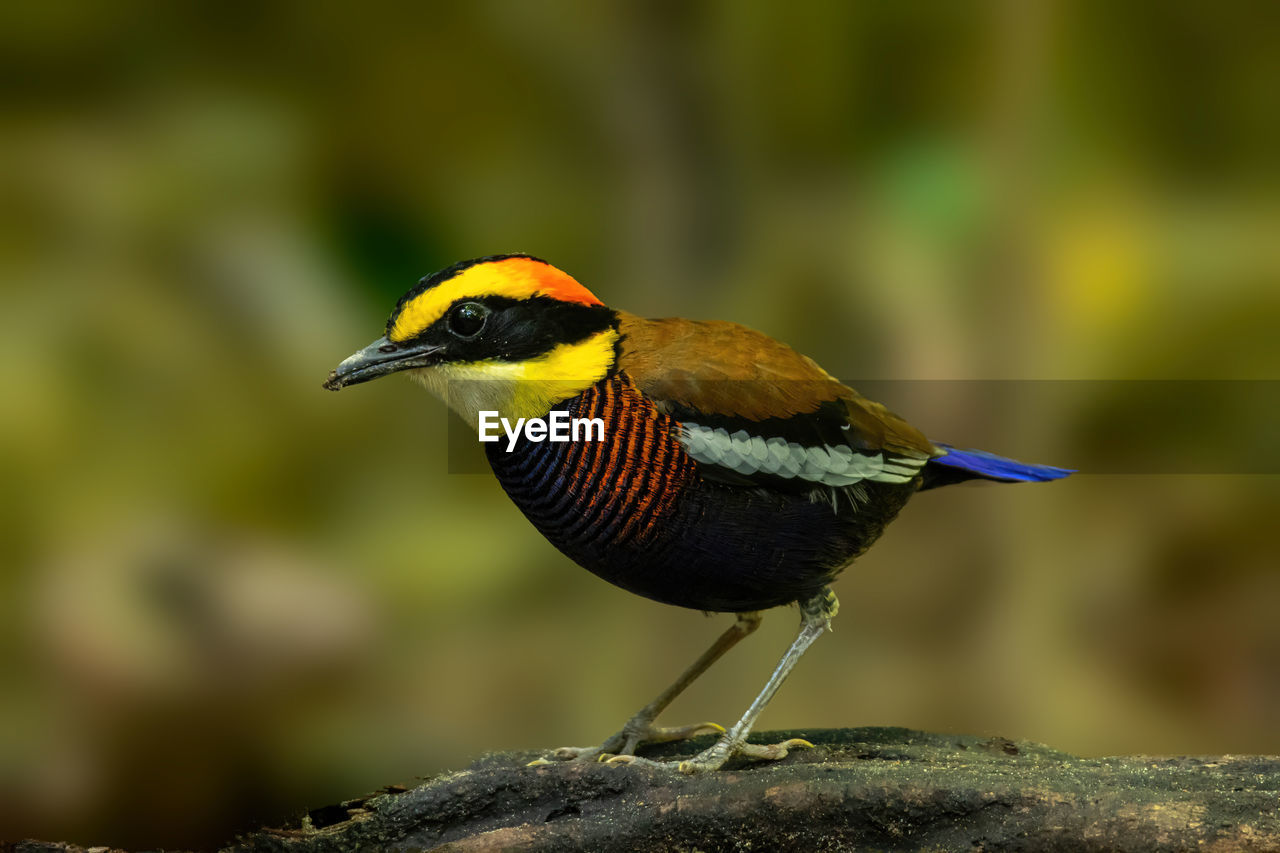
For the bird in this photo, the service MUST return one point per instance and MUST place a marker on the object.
(732, 473)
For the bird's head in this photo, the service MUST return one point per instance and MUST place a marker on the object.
(509, 333)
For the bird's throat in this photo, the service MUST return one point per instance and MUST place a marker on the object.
(522, 389)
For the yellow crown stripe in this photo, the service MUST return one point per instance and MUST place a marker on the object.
(517, 278)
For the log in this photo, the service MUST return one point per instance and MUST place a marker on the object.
(864, 789)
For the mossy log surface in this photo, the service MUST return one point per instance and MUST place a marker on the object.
(859, 789)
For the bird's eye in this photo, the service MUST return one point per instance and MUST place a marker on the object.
(467, 319)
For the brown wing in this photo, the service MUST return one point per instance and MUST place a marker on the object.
(729, 371)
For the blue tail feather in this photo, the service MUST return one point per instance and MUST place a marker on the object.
(968, 464)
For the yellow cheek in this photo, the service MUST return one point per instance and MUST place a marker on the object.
(525, 389)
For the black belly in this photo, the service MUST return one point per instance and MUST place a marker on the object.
(634, 510)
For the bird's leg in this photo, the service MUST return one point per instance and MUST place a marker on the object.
(640, 728)
(815, 618)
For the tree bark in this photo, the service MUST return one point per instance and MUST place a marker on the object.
(870, 788)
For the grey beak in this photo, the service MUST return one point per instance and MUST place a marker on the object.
(378, 359)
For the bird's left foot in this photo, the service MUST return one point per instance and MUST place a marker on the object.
(623, 745)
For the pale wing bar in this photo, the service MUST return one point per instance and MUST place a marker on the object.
(823, 464)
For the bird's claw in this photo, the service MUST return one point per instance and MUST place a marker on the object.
(772, 751)
(715, 757)
(637, 761)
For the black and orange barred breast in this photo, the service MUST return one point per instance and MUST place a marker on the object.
(634, 510)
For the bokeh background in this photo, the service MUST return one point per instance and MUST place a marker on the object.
(227, 595)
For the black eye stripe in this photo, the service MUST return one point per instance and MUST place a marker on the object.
(513, 329)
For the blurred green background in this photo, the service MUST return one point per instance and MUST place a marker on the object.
(227, 595)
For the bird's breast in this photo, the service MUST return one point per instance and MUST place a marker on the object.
(611, 492)
(633, 508)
